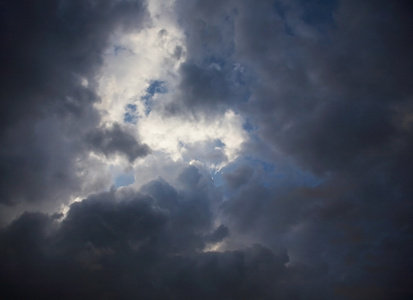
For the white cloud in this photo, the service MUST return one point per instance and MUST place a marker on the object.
(135, 59)
(176, 136)
(155, 53)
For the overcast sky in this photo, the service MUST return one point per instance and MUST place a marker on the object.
(206, 149)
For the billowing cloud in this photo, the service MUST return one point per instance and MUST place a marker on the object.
(206, 149)
(52, 53)
(115, 140)
(144, 244)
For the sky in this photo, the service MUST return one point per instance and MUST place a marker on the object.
(206, 149)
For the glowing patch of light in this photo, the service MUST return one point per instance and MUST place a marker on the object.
(173, 135)
(140, 71)
(213, 248)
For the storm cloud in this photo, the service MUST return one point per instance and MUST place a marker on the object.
(51, 53)
(266, 145)
(121, 244)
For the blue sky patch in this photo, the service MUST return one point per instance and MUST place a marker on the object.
(130, 114)
(157, 87)
(124, 180)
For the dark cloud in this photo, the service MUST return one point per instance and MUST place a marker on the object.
(203, 86)
(319, 207)
(122, 244)
(51, 52)
(326, 97)
(211, 81)
(115, 140)
(328, 87)
(239, 177)
(342, 229)
(330, 101)
(50, 45)
(218, 235)
(207, 87)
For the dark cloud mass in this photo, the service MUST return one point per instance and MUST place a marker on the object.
(116, 140)
(123, 244)
(318, 204)
(49, 48)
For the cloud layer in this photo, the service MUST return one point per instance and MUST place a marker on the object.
(267, 146)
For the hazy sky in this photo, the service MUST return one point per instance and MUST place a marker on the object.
(206, 149)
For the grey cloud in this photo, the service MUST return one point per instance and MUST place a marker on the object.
(203, 86)
(49, 49)
(48, 45)
(120, 244)
(210, 80)
(329, 95)
(208, 152)
(208, 27)
(332, 99)
(191, 208)
(327, 98)
(116, 140)
(239, 177)
(190, 176)
(207, 87)
(342, 227)
(218, 235)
